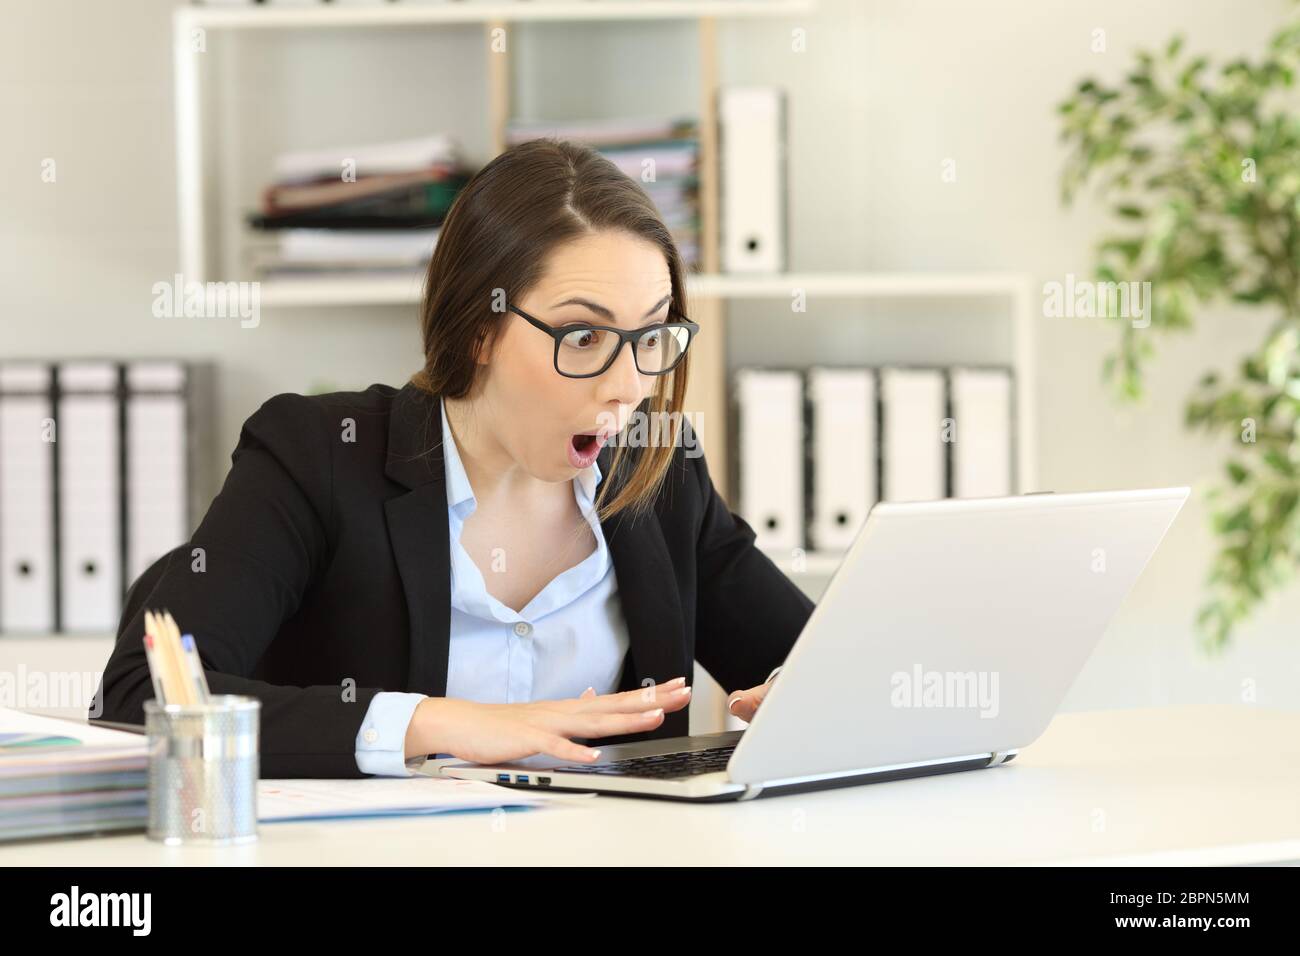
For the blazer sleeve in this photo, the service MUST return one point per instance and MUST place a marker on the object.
(259, 548)
(749, 613)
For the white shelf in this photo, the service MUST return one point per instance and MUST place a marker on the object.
(408, 13)
(407, 290)
(374, 290)
(856, 285)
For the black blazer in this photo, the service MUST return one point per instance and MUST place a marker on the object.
(324, 577)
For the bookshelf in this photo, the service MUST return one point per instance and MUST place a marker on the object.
(710, 291)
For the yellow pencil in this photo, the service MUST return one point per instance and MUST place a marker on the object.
(178, 656)
(174, 682)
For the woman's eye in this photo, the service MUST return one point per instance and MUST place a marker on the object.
(650, 341)
(582, 338)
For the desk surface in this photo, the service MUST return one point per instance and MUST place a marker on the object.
(1206, 785)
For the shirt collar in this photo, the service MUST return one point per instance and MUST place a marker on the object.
(458, 486)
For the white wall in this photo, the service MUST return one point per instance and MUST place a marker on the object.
(886, 91)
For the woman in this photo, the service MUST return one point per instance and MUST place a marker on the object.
(429, 570)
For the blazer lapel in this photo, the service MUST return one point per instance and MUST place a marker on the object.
(652, 607)
(417, 526)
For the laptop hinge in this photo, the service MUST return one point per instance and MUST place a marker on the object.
(751, 791)
(998, 756)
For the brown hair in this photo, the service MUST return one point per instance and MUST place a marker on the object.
(497, 235)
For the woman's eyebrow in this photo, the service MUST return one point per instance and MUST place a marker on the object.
(606, 313)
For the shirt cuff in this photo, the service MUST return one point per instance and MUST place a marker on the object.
(381, 741)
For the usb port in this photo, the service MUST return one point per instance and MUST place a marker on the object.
(521, 778)
(543, 781)
(503, 778)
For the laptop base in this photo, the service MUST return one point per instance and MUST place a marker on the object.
(776, 789)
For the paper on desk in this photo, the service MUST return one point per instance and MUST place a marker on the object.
(62, 747)
(311, 799)
(19, 722)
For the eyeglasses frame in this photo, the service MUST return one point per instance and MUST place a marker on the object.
(625, 337)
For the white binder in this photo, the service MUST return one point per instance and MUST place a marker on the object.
(27, 572)
(90, 536)
(981, 451)
(843, 404)
(771, 456)
(913, 453)
(751, 134)
(156, 462)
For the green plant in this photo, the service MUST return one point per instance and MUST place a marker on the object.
(1201, 167)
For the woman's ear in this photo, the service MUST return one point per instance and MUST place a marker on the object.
(483, 348)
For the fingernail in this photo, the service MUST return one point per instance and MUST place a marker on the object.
(732, 706)
(676, 680)
(594, 754)
(652, 713)
(592, 689)
(682, 691)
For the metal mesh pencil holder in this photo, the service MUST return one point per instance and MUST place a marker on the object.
(203, 771)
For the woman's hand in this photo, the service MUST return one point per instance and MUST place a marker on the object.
(744, 703)
(495, 733)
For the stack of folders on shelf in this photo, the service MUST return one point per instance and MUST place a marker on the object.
(358, 209)
(662, 155)
(103, 469)
(58, 777)
(817, 448)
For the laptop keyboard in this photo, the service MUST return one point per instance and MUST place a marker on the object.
(687, 764)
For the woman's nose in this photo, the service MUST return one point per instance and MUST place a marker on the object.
(622, 380)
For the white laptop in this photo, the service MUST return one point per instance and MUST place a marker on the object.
(945, 641)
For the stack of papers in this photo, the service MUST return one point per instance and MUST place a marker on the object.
(668, 147)
(358, 208)
(59, 777)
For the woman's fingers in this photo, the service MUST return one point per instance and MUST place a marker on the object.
(553, 745)
(671, 696)
(744, 703)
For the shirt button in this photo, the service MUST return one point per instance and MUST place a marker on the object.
(523, 629)
(370, 736)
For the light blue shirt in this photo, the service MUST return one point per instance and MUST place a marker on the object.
(570, 636)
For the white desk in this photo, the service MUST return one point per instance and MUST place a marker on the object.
(1192, 785)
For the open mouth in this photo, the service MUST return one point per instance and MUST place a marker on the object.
(583, 449)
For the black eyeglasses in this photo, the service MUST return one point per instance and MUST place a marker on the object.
(585, 351)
